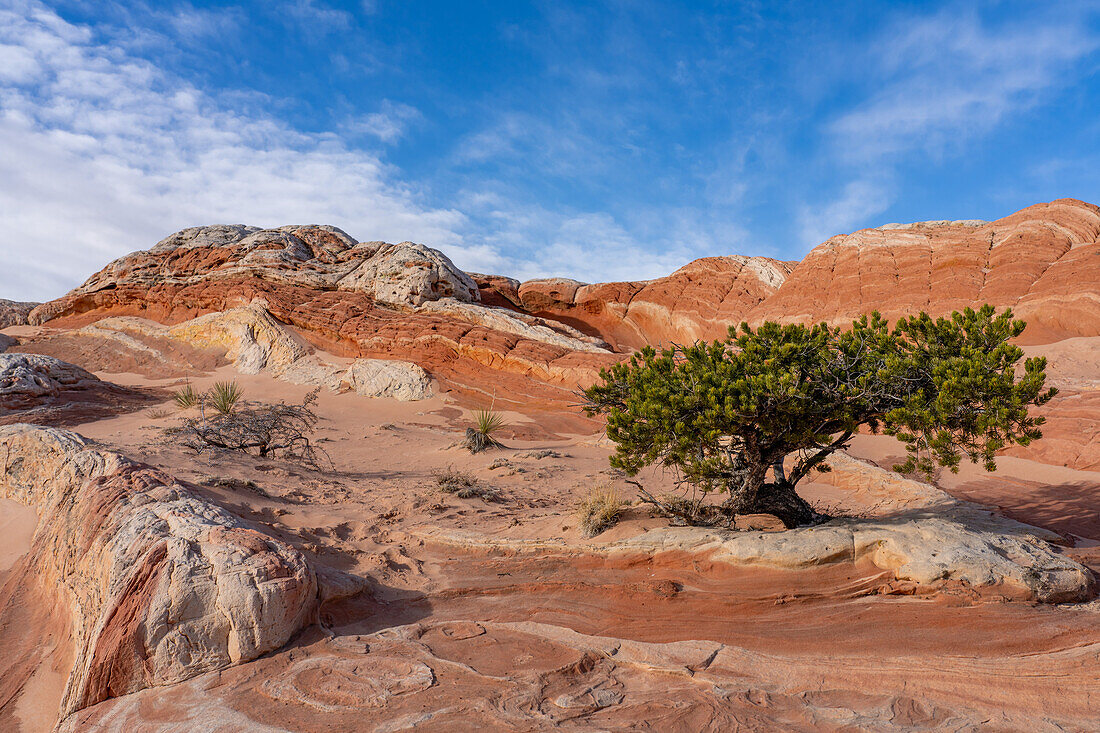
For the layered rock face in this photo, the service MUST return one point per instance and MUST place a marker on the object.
(371, 300)
(160, 585)
(14, 313)
(1043, 261)
(698, 301)
(314, 257)
(924, 537)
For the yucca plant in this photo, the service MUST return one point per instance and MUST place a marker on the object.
(186, 397)
(224, 396)
(480, 437)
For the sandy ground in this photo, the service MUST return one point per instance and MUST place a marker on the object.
(17, 524)
(506, 638)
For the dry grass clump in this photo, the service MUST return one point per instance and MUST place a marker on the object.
(480, 437)
(600, 510)
(464, 485)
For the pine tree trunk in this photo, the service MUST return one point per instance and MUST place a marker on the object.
(784, 502)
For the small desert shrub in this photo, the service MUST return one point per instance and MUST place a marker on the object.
(186, 397)
(480, 437)
(464, 485)
(224, 396)
(600, 510)
(264, 430)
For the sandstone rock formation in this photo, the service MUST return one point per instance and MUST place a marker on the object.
(509, 675)
(926, 537)
(160, 585)
(400, 380)
(698, 301)
(123, 344)
(371, 300)
(25, 379)
(14, 313)
(45, 389)
(313, 257)
(1042, 261)
(248, 335)
(545, 338)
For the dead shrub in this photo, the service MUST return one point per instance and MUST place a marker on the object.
(464, 485)
(264, 430)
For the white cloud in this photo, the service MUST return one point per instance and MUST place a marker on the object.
(860, 199)
(320, 17)
(102, 154)
(389, 123)
(946, 78)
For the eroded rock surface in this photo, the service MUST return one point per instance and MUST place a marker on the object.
(160, 585)
(14, 312)
(45, 389)
(381, 378)
(698, 301)
(367, 300)
(1043, 261)
(920, 534)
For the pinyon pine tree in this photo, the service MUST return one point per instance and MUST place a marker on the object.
(724, 413)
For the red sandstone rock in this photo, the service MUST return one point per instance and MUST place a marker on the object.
(698, 301)
(1043, 261)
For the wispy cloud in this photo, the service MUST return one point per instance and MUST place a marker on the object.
(319, 17)
(946, 78)
(858, 201)
(388, 124)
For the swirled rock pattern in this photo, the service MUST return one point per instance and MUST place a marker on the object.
(160, 584)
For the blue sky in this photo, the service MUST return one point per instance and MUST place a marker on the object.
(599, 141)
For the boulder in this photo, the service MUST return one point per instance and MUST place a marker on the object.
(408, 274)
(27, 380)
(250, 337)
(160, 584)
(400, 380)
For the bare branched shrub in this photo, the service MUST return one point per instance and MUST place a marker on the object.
(480, 437)
(264, 430)
(464, 485)
(600, 510)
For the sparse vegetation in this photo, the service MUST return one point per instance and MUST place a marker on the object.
(464, 485)
(264, 430)
(723, 414)
(186, 397)
(224, 397)
(600, 510)
(480, 437)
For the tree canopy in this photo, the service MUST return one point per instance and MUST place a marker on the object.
(723, 413)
